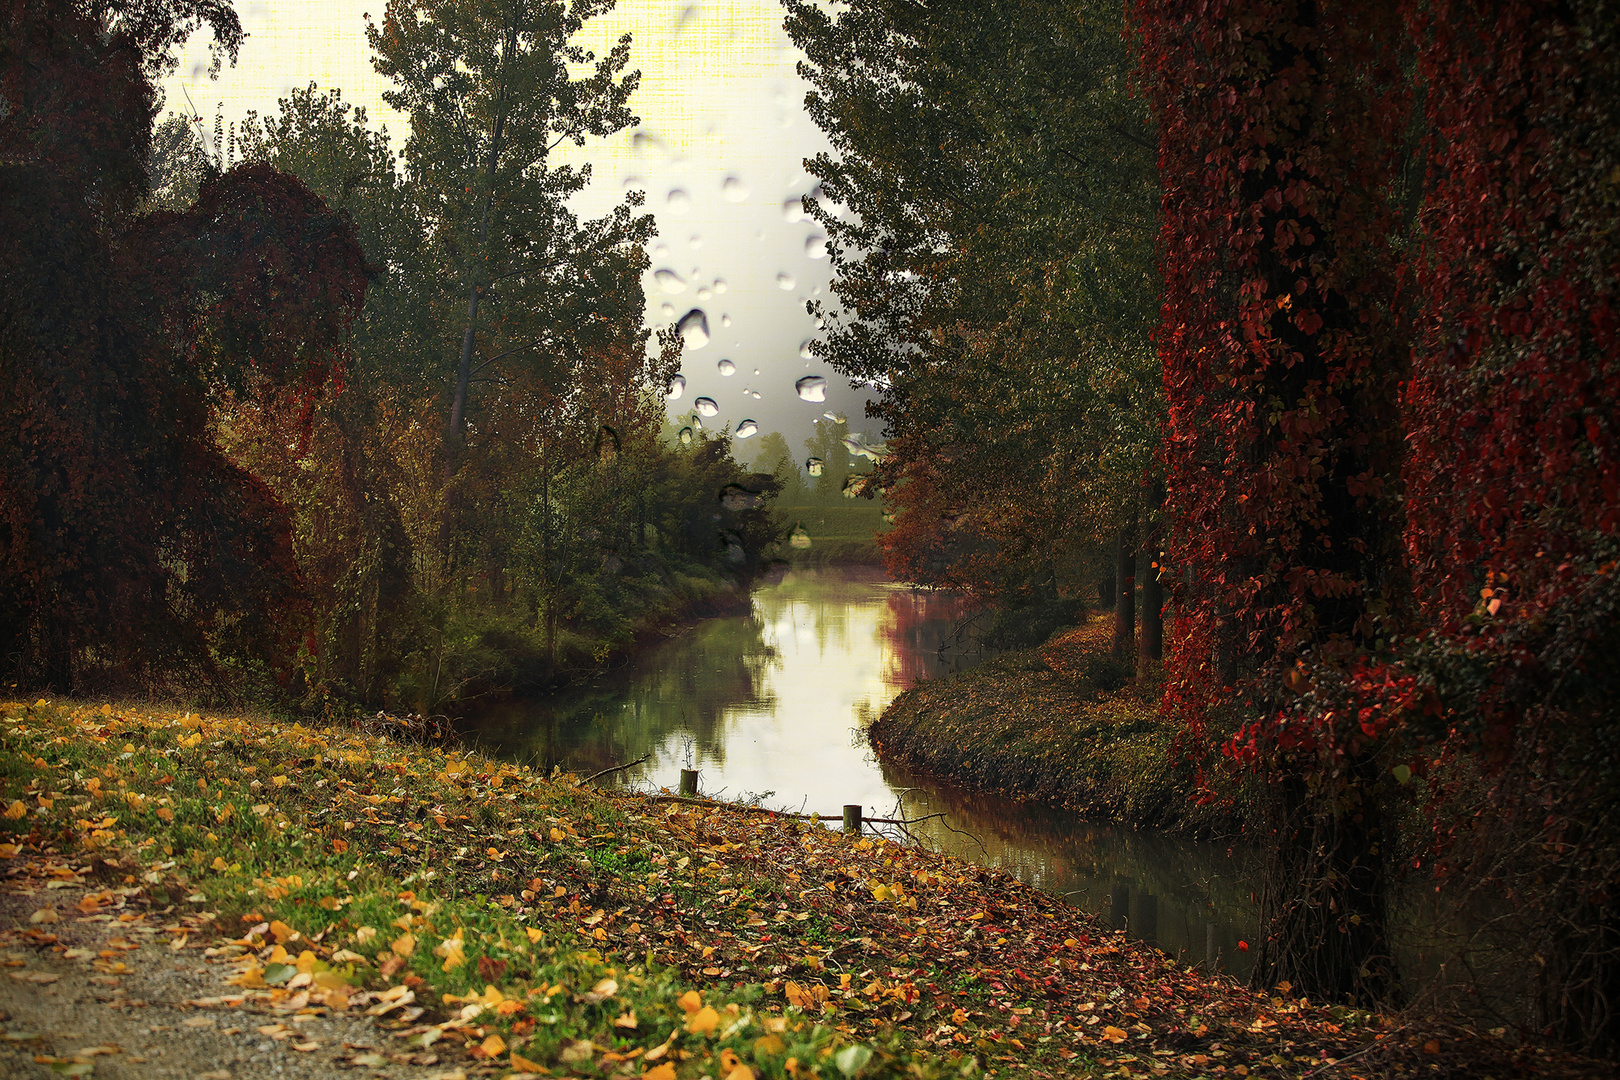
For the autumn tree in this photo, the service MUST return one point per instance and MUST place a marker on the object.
(1280, 128)
(995, 276)
(1513, 479)
(130, 544)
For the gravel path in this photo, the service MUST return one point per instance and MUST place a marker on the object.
(104, 986)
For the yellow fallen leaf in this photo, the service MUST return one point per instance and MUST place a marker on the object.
(8, 851)
(559, 891)
(880, 892)
(44, 915)
(524, 1065)
(691, 1001)
(769, 1045)
(494, 1046)
(364, 934)
(741, 1072)
(1114, 1034)
(17, 810)
(728, 1061)
(282, 932)
(219, 863)
(703, 1022)
(556, 834)
(626, 1020)
(404, 945)
(666, 1071)
(534, 935)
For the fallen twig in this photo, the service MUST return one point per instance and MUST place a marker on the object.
(615, 768)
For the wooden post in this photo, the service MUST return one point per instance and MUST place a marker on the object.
(1211, 953)
(689, 782)
(852, 817)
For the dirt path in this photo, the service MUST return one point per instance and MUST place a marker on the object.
(98, 983)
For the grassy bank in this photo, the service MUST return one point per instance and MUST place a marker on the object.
(524, 924)
(1061, 724)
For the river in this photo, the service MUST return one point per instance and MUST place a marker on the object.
(773, 706)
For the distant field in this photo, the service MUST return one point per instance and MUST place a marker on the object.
(838, 534)
(856, 521)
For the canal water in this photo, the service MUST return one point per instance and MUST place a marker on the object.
(773, 705)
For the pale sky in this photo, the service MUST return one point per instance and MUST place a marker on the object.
(719, 152)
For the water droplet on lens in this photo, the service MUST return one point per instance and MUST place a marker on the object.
(669, 281)
(686, 436)
(756, 395)
(695, 242)
(679, 201)
(855, 484)
(756, 371)
(800, 539)
(649, 146)
(746, 429)
(811, 388)
(815, 246)
(807, 349)
(727, 367)
(676, 387)
(785, 282)
(813, 466)
(704, 293)
(694, 328)
(666, 311)
(706, 406)
(720, 285)
(725, 320)
(733, 189)
(836, 417)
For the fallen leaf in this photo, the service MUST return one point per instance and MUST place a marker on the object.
(666, 1071)
(626, 1020)
(44, 915)
(524, 1065)
(703, 1022)
(494, 1046)
(404, 945)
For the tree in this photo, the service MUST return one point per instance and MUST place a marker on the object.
(128, 542)
(995, 275)
(1280, 127)
(1513, 477)
(489, 92)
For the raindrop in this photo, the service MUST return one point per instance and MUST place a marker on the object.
(800, 539)
(807, 349)
(695, 242)
(813, 466)
(756, 371)
(704, 292)
(737, 497)
(720, 285)
(733, 189)
(660, 251)
(679, 201)
(793, 209)
(727, 367)
(697, 425)
(815, 246)
(836, 417)
(686, 436)
(666, 311)
(649, 146)
(855, 484)
(747, 429)
(631, 180)
(785, 282)
(676, 387)
(706, 406)
(756, 395)
(725, 320)
(694, 328)
(811, 388)
(670, 281)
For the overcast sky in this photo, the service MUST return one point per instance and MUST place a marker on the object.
(719, 153)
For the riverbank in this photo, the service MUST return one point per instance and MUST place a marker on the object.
(333, 898)
(1060, 724)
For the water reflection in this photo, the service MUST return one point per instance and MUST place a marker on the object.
(774, 704)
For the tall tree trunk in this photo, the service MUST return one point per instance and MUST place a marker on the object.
(1125, 595)
(1150, 645)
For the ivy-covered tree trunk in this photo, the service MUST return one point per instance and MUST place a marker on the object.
(1281, 364)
